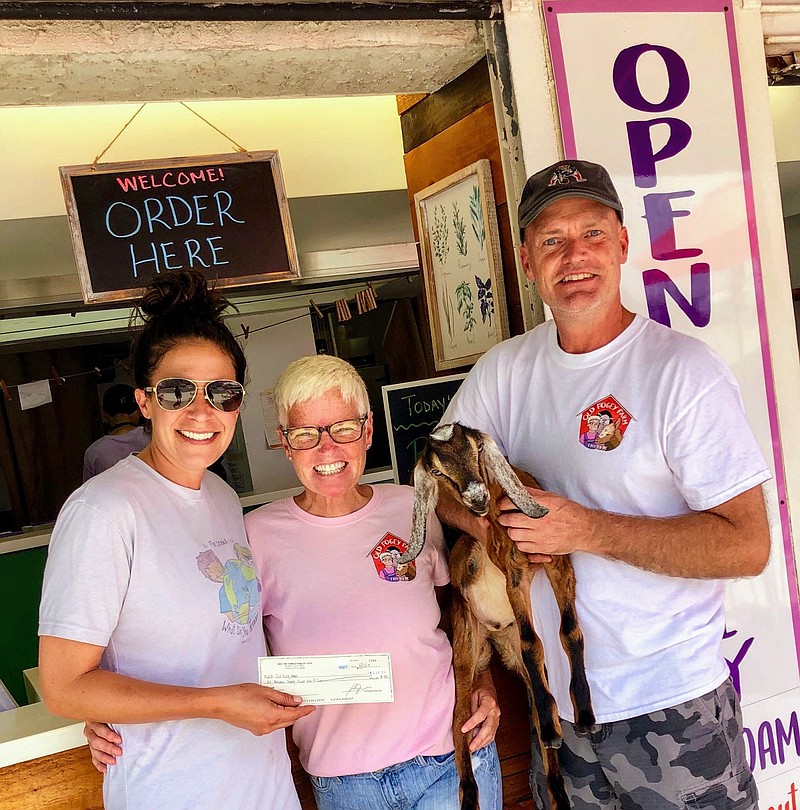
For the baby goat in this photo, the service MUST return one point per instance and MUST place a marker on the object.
(491, 594)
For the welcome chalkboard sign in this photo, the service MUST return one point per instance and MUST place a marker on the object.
(225, 215)
(413, 410)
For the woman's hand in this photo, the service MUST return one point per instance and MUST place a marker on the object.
(258, 709)
(485, 716)
(104, 744)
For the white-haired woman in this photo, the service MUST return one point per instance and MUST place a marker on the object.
(327, 560)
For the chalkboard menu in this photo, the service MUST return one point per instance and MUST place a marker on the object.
(413, 410)
(225, 215)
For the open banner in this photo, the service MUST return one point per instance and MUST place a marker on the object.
(668, 122)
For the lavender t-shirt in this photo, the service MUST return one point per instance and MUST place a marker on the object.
(106, 452)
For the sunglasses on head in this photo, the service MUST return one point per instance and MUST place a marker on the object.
(177, 393)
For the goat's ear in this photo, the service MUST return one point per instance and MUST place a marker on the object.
(501, 471)
(425, 496)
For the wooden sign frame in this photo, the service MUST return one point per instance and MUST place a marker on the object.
(145, 175)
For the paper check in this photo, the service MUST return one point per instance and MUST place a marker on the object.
(330, 679)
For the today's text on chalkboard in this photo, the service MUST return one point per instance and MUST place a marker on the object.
(225, 215)
(413, 410)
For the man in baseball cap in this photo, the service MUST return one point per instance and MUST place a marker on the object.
(120, 399)
(655, 520)
(570, 218)
(567, 178)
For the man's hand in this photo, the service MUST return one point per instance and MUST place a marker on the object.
(567, 527)
(728, 540)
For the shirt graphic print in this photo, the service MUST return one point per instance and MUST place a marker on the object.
(239, 588)
(603, 424)
(385, 556)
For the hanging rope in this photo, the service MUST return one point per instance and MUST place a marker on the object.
(237, 146)
(55, 377)
(97, 159)
(250, 331)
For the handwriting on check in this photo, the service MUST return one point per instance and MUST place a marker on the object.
(331, 679)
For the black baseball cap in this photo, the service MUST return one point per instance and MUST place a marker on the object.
(566, 178)
(119, 399)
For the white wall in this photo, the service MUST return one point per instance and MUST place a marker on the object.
(268, 352)
(326, 146)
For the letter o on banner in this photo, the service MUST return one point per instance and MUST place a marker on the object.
(626, 82)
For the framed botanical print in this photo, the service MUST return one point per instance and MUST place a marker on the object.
(460, 247)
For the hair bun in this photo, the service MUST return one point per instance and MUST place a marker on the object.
(181, 293)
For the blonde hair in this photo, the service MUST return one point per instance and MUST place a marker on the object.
(311, 377)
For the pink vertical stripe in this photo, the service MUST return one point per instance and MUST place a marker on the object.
(766, 357)
(560, 75)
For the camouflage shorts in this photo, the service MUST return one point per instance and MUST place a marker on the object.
(687, 756)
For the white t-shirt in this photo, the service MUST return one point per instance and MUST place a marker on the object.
(330, 587)
(125, 572)
(651, 424)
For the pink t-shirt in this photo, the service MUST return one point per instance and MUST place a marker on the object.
(330, 586)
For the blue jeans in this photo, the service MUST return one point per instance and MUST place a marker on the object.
(422, 783)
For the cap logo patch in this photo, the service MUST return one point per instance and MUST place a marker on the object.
(564, 174)
(603, 425)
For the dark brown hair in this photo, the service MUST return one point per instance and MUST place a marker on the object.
(179, 306)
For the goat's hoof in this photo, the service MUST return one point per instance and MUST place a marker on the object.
(469, 797)
(585, 722)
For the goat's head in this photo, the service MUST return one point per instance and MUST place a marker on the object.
(454, 458)
(463, 460)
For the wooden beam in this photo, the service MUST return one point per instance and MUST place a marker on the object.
(440, 110)
(146, 10)
(406, 101)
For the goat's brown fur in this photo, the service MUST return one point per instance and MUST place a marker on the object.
(491, 596)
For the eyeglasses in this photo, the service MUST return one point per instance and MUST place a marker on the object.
(177, 393)
(344, 432)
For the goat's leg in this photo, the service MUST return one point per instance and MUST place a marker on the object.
(533, 659)
(507, 644)
(519, 574)
(556, 792)
(562, 577)
(470, 648)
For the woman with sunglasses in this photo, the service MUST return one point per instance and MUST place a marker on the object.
(150, 614)
(327, 560)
